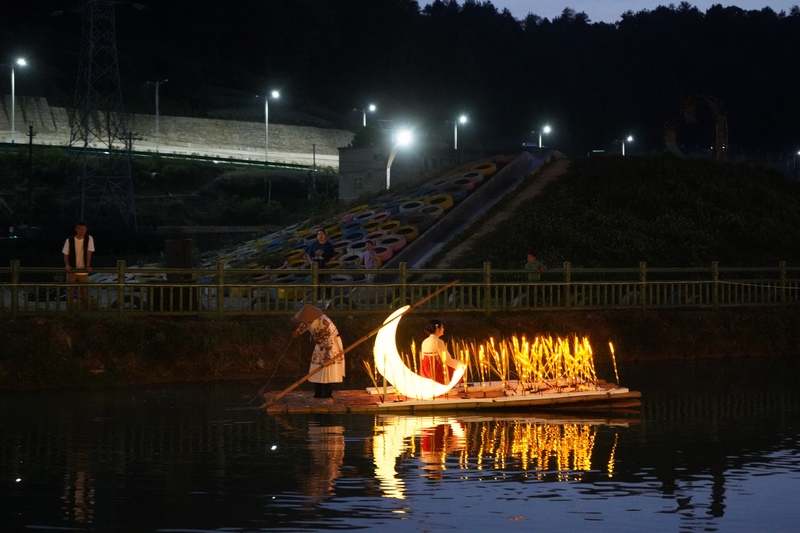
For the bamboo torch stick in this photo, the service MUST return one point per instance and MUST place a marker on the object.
(614, 359)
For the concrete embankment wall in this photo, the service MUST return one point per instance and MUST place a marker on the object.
(40, 352)
(226, 138)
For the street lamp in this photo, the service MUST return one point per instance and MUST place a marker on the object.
(629, 138)
(403, 138)
(461, 120)
(274, 94)
(20, 62)
(546, 129)
(371, 108)
(157, 84)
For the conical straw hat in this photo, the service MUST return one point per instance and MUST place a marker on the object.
(308, 314)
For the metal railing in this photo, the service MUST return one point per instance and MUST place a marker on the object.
(131, 291)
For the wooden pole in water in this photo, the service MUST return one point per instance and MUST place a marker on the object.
(359, 341)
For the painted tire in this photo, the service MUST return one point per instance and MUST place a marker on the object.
(370, 226)
(393, 208)
(411, 207)
(376, 236)
(394, 242)
(457, 192)
(445, 201)
(349, 258)
(409, 232)
(390, 225)
(487, 169)
(357, 247)
(384, 253)
(382, 216)
(363, 216)
(470, 179)
(353, 224)
(420, 220)
(432, 211)
(294, 255)
(341, 247)
(355, 235)
(297, 264)
(357, 209)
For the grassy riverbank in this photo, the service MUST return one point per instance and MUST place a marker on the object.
(71, 351)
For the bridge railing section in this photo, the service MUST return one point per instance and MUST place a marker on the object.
(131, 291)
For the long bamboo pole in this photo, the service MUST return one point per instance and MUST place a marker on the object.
(356, 343)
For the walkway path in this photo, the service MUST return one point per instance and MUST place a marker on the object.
(528, 190)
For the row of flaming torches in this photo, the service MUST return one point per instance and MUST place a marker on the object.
(557, 360)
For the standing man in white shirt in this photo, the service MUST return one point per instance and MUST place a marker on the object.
(78, 251)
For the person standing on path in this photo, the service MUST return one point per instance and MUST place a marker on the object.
(369, 259)
(322, 253)
(77, 251)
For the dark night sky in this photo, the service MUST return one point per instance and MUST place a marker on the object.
(593, 81)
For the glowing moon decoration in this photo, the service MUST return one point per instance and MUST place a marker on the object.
(391, 366)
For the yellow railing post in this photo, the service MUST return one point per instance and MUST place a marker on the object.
(314, 283)
(715, 284)
(403, 284)
(643, 281)
(487, 287)
(782, 277)
(14, 287)
(220, 287)
(121, 289)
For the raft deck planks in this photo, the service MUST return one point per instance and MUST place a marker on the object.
(475, 398)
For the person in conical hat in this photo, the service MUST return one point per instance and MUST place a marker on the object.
(328, 346)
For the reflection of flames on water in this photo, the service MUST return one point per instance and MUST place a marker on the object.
(542, 447)
(558, 361)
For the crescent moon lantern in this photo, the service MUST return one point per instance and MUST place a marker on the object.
(391, 366)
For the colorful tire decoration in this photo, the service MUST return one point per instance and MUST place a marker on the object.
(419, 220)
(357, 247)
(411, 206)
(457, 192)
(488, 169)
(372, 225)
(349, 258)
(394, 242)
(408, 232)
(445, 201)
(432, 211)
(390, 225)
(384, 253)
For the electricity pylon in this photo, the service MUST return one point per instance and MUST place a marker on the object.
(99, 133)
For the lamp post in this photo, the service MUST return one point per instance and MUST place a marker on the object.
(20, 62)
(545, 129)
(461, 120)
(267, 188)
(157, 84)
(403, 138)
(371, 108)
(629, 138)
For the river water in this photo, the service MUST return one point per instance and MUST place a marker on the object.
(715, 447)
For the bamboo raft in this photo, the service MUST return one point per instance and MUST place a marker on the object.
(490, 396)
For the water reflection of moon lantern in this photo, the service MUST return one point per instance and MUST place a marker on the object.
(391, 366)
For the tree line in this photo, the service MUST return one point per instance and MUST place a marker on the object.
(593, 82)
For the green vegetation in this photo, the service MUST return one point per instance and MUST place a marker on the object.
(669, 212)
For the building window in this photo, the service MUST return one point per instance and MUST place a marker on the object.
(358, 184)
